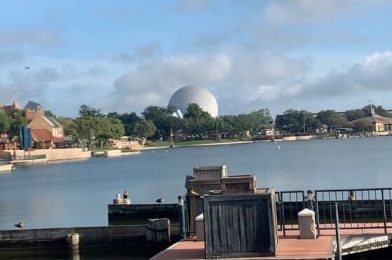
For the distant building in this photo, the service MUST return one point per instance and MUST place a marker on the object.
(379, 125)
(44, 129)
(14, 107)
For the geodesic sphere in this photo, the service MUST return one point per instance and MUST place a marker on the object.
(194, 94)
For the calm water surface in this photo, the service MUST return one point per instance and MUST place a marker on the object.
(77, 193)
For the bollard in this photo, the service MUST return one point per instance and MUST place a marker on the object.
(73, 241)
(306, 223)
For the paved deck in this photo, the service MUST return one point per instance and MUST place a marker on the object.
(288, 248)
(291, 247)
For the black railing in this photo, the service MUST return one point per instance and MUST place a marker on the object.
(357, 208)
(288, 205)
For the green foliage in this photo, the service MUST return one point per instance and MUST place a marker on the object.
(49, 114)
(294, 121)
(90, 111)
(194, 111)
(129, 121)
(37, 145)
(162, 119)
(5, 122)
(331, 118)
(144, 128)
(382, 111)
(92, 124)
(354, 114)
(17, 121)
(101, 128)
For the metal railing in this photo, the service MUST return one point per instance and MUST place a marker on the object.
(288, 205)
(357, 208)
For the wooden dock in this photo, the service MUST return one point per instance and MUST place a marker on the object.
(288, 248)
(291, 247)
(89, 237)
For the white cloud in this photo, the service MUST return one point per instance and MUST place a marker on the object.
(8, 57)
(368, 79)
(46, 38)
(151, 82)
(279, 12)
(236, 79)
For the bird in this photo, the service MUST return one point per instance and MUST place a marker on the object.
(159, 200)
(27, 68)
(19, 225)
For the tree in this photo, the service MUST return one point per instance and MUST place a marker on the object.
(197, 121)
(195, 111)
(294, 121)
(89, 111)
(102, 128)
(163, 119)
(144, 128)
(17, 121)
(259, 119)
(382, 111)
(331, 118)
(354, 114)
(68, 124)
(129, 121)
(5, 122)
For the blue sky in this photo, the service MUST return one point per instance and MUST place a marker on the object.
(125, 55)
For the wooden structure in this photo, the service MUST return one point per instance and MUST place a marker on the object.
(209, 172)
(240, 225)
(158, 230)
(238, 184)
(134, 214)
(212, 179)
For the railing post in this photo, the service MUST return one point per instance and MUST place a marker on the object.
(338, 248)
(384, 212)
(182, 216)
(317, 214)
(282, 213)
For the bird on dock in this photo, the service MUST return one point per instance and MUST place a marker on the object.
(19, 225)
(159, 200)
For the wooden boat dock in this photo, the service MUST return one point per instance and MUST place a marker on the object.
(291, 247)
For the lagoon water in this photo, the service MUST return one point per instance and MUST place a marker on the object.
(77, 193)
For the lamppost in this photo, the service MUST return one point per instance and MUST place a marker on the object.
(92, 140)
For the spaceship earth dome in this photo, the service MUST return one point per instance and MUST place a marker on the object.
(194, 94)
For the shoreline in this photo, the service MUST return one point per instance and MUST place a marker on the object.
(195, 145)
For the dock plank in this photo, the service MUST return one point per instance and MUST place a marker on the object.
(288, 248)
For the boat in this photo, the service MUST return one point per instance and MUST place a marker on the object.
(7, 167)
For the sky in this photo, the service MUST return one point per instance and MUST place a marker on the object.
(122, 56)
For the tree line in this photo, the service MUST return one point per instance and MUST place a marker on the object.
(157, 123)
(302, 121)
